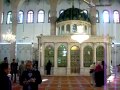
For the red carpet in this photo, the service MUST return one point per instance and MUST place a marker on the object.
(71, 83)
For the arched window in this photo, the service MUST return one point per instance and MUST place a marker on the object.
(100, 53)
(85, 11)
(74, 28)
(30, 16)
(20, 17)
(49, 16)
(75, 59)
(62, 10)
(62, 56)
(49, 54)
(97, 16)
(41, 16)
(106, 16)
(62, 30)
(116, 16)
(9, 17)
(88, 56)
(2, 18)
(67, 29)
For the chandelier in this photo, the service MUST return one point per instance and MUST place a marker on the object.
(80, 37)
(9, 37)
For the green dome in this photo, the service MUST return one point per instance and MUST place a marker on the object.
(73, 14)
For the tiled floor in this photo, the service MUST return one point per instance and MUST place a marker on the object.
(73, 83)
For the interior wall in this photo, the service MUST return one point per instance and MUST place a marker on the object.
(26, 33)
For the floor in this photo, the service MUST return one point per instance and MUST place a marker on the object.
(74, 83)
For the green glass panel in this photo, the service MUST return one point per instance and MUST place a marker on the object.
(49, 55)
(75, 59)
(100, 53)
(62, 56)
(88, 56)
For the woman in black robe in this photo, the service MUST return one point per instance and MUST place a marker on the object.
(48, 67)
(5, 83)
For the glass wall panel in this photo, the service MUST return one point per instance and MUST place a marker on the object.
(62, 56)
(88, 56)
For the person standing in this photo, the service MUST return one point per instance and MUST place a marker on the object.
(48, 67)
(14, 66)
(98, 74)
(5, 60)
(104, 73)
(5, 82)
(30, 78)
(21, 69)
(92, 73)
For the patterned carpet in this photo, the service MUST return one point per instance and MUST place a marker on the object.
(73, 83)
(63, 83)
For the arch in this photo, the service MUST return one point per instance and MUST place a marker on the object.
(100, 53)
(85, 11)
(74, 28)
(20, 16)
(97, 16)
(106, 16)
(9, 17)
(62, 30)
(62, 10)
(2, 17)
(30, 16)
(88, 56)
(41, 16)
(68, 28)
(75, 59)
(62, 56)
(116, 16)
(49, 54)
(49, 16)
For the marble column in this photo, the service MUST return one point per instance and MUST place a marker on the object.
(68, 60)
(1, 11)
(108, 58)
(42, 58)
(93, 20)
(94, 54)
(14, 5)
(55, 59)
(81, 61)
(53, 17)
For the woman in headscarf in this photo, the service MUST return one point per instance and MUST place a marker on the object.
(98, 74)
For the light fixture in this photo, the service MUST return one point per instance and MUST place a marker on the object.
(80, 37)
(9, 37)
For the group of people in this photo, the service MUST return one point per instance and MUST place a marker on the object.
(98, 77)
(29, 77)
